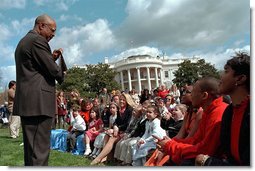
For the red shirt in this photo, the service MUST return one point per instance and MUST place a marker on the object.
(238, 112)
(163, 93)
(205, 141)
(85, 115)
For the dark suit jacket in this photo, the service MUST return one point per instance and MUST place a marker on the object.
(36, 72)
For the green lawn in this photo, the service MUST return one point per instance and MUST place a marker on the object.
(11, 153)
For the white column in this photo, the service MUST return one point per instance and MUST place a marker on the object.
(139, 80)
(129, 80)
(122, 81)
(170, 76)
(161, 76)
(149, 78)
(156, 76)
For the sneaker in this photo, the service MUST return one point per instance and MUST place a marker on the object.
(87, 152)
(21, 144)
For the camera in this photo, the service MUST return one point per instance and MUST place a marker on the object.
(164, 112)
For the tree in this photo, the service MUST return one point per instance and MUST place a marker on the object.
(91, 80)
(100, 76)
(189, 73)
(74, 79)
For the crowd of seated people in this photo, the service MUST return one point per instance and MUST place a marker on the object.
(169, 126)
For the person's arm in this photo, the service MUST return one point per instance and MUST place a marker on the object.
(196, 124)
(72, 121)
(156, 131)
(11, 94)
(198, 145)
(41, 53)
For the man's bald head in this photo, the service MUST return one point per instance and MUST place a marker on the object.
(43, 19)
(45, 26)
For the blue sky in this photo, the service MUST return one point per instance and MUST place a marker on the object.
(90, 30)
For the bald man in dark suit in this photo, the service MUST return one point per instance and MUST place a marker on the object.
(36, 73)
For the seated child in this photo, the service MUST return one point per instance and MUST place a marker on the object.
(99, 141)
(147, 142)
(78, 126)
(95, 127)
(172, 121)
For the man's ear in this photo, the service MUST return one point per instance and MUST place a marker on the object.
(205, 95)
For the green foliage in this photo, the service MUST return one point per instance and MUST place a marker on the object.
(74, 79)
(100, 76)
(189, 73)
(91, 80)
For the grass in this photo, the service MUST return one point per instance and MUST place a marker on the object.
(11, 153)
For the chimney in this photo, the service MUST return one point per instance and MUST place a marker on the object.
(106, 61)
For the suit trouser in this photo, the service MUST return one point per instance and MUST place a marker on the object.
(36, 137)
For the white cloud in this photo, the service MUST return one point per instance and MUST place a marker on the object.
(218, 58)
(64, 17)
(184, 23)
(82, 41)
(8, 33)
(5, 32)
(22, 27)
(143, 50)
(8, 4)
(7, 74)
(7, 53)
(62, 5)
(73, 54)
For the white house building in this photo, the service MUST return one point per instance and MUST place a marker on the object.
(145, 71)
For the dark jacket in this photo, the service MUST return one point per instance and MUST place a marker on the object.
(171, 126)
(123, 121)
(244, 141)
(36, 72)
(140, 129)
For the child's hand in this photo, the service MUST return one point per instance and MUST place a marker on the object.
(156, 138)
(140, 142)
(115, 128)
(115, 133)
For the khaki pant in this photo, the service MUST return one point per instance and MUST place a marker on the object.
(14, 125)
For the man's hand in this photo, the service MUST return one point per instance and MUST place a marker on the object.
(201, 159)
(56, 53)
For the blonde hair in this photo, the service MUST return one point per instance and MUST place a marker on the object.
(129, 100)
(183, 108)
